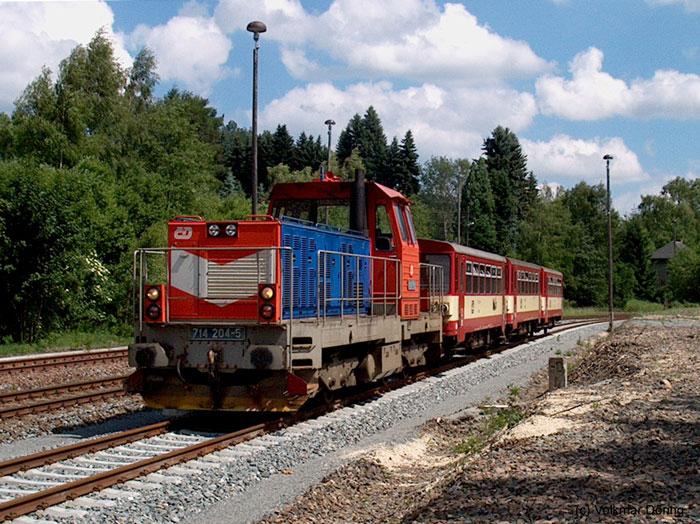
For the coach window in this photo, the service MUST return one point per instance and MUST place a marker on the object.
(482, 279)
(489, 280)
(383, 237)
(469, 277)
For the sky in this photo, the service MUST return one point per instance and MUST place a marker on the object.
(574, 79)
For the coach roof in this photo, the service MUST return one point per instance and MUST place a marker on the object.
(462, 250)
(522, 263)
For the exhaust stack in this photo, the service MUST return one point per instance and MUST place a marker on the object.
(358, 204)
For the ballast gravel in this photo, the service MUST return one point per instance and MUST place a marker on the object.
(245, 482)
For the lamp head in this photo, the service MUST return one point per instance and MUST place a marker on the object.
(256, 27)
(329, 122)
(608, 157)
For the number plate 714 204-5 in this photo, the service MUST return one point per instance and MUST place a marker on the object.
(217, 333)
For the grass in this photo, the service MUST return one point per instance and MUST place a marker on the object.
(637, 307)
(496, 420)
(65, 341)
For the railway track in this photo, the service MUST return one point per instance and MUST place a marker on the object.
(50, 477)
(63, 395)
(68, 358)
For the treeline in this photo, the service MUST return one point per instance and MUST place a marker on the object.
(504, 210)
(93, 164)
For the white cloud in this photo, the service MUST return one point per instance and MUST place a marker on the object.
(189, 49)
(567, 158)
(444, 121)
(593, 94)
(286, 20)
(43, 33)
(400, 38)
(298, 64)
(689, 5)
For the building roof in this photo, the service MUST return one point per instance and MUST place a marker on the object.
(668, 251)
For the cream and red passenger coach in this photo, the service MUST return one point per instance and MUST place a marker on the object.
(474, 306)
(488, 297)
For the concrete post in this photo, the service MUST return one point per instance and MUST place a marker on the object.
(557, 373)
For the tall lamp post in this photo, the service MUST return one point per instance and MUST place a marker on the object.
(607, 159)
(256, 27)
(330, 123)
(463, 179)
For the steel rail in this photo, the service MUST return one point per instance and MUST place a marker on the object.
(28, 394)
(58, 494)
(68, 401)
(46, 457)
(63, 359)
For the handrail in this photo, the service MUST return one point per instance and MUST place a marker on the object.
(435, 287)
(386, 298)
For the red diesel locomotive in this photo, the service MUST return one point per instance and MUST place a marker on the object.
(265, 313)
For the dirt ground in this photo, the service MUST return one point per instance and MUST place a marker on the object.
(621, 444)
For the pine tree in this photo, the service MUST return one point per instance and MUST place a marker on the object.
(635, 249)
(395, 165)
(308, 152)
(478, 209)
(514, 185)
(409, 182)
(373, 148)
(348, 138)
(282, 146)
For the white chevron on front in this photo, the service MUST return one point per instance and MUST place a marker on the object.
(219, 282)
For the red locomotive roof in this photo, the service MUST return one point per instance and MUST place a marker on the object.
(318, 190)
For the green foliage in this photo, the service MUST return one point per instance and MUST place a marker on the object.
(52, 276)
(92, 166)
(684, 275)
(440, 192)
(394, 165)
(512, 182)
(478, 208)
(371, 142)
(495, 421)
(635, 305)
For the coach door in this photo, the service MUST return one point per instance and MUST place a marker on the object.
(461, 285)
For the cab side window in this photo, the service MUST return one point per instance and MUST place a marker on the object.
(383, 236)
(402, 223)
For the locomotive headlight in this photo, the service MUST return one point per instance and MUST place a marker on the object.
(267, 293)
(267, 311)
(153, 294)
(153, 312)
(231, 230)
(214, 230)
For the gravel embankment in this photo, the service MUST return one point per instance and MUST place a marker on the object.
(248, 481)
(622, 443)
